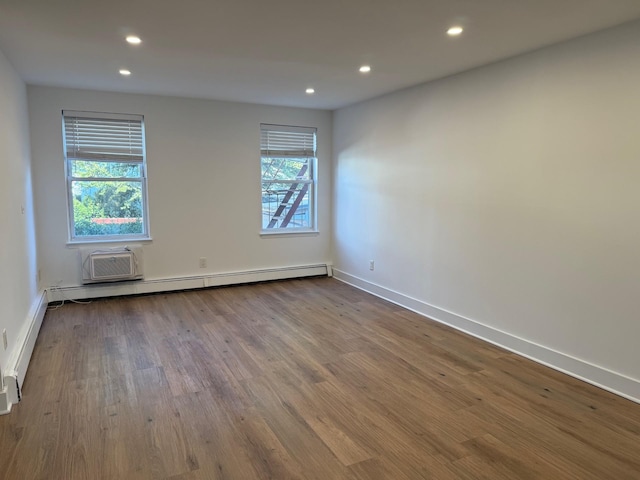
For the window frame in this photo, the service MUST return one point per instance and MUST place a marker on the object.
(312, 162)
(69, 179)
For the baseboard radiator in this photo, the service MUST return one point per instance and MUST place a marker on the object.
(111, 264)
(15, 370)
(169, 284)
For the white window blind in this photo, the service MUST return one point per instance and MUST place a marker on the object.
(109, 138)
(284, 142)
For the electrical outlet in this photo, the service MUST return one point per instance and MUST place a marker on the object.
(372, 265)
(203, 262)
(5, 343)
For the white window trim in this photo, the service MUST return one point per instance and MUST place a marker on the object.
(77, 240)
(313, 162)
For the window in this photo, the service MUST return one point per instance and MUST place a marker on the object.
(106, 176)
(288, 161)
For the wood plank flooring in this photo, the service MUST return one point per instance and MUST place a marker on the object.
(292, 380)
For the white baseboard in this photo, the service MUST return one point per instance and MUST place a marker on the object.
(16, 370)
(56, 294)
(601, 377)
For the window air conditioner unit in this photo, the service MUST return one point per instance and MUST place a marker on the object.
(111, 265)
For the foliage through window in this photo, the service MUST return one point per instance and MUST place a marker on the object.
(106, 179)
(288, 162)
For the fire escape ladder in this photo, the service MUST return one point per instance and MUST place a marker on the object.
(296, 204)
(285, 201)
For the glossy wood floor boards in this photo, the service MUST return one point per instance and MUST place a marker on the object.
(295, 380)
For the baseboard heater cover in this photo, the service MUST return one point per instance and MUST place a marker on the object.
(13, 375)
(111, 264)
(168, 284)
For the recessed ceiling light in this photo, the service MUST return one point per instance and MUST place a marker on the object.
(125, 72)
(310, 91)
(455, 31)
(133, 40)
(365, 69)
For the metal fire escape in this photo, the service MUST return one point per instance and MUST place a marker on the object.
(287, 199)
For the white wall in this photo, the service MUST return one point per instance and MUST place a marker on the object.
(203, 181)
(18, 271)
(508, 196)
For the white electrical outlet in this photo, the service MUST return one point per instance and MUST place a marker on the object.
(372, 265)
(5, 343)
(203, 262)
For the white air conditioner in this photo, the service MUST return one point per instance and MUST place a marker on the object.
(111, 265)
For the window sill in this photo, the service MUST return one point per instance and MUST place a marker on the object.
(291, 233)
(72, 243)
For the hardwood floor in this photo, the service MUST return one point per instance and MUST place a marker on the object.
(303, 379)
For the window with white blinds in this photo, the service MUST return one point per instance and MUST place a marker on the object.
(282, 141)
(106, 176)
(288, 163)
(109, 138)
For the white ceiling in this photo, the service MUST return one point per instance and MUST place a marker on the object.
(269, 51)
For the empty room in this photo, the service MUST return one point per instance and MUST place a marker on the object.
(295, 240)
